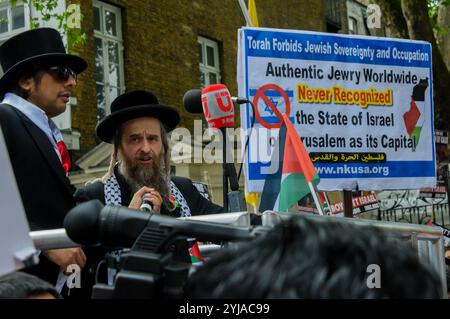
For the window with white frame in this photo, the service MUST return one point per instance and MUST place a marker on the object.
(108, 45)
(352, 25)
(208, 51)
(13, 19)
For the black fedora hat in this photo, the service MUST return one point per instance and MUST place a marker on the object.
(132, 105)
(35, 45)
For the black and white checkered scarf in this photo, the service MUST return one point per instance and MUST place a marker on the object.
(113, 195)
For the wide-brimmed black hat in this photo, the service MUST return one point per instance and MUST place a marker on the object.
(132, 105)
(34, 46)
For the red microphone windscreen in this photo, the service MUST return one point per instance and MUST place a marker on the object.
(217, 106)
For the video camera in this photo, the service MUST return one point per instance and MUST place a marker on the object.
(153, 258)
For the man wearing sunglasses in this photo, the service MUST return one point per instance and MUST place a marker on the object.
(37, 82)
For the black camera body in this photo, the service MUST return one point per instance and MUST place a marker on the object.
(158, 263)
(157, 266)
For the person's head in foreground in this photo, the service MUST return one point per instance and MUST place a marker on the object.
(303, 258)
(20, 285)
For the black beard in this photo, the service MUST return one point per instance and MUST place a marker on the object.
(138, 176)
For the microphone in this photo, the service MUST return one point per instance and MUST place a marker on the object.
(146, 205)
(217, 106)
(116, 226)
(215, 102)
(192, 101)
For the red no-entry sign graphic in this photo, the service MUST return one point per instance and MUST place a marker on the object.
(261, 94)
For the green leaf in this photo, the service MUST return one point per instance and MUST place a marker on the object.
(47, 11)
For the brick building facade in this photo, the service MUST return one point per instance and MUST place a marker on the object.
(161, 43)
(160, 50)
(167, 47)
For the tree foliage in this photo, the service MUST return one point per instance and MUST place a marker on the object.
(433, 11)
(413, 19)
(47, 11)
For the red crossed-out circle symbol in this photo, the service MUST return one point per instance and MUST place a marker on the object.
(260, 94)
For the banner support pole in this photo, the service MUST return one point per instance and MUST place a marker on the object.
(348, 203)
(316, 199)
(245, 13)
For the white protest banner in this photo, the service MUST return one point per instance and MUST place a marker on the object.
(361, 105)
(16, 246)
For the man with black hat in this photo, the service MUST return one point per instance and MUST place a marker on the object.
(139, 168)
(37, 82)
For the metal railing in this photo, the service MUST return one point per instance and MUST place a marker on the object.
(52, 239)
(417, 214)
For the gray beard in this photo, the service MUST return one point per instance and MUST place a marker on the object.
(138, 177)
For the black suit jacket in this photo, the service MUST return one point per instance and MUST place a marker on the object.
(45, 190)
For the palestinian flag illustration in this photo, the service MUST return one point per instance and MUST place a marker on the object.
(194, 252)
(415, 117)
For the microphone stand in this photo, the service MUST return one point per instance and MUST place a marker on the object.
(229, 171)
(223, 130)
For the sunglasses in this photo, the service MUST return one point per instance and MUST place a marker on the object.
(62, 73)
